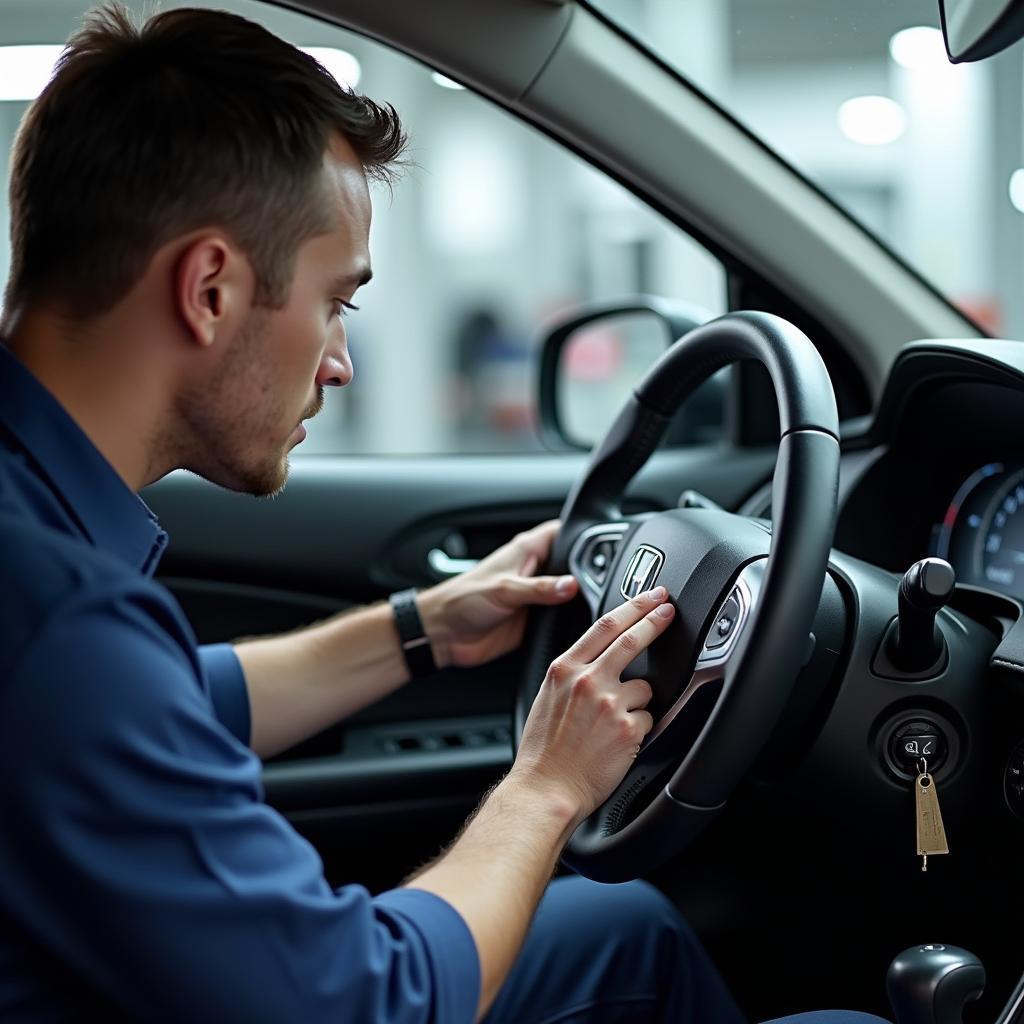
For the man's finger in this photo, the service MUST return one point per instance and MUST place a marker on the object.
(518, 590)
(637, 638)
(538, 540)
(554, 589)
(644, 721)
(636, 693)
(529, 566)
(608, 628)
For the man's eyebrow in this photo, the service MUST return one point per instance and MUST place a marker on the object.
(353, 281)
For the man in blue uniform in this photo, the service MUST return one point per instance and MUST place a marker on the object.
(189, 222)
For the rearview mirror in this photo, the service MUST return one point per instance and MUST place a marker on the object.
(975, 29)
(592, 360)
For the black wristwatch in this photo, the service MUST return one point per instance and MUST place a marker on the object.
(419, 658)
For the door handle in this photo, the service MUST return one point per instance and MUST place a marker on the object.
(444, 565)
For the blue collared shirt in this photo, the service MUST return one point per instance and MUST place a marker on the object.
(141, 874)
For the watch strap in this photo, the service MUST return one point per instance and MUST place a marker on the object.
(419, 658)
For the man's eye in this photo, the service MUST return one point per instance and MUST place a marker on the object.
(339, 307)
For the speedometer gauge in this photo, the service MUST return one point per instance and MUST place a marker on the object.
(960, 537)
(999, 556)
(955, 539)
(982, 532)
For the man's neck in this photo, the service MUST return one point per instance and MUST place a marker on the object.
(102, 381)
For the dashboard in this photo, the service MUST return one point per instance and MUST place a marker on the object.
(941, 472)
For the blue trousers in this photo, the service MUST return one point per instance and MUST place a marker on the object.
(612, 954)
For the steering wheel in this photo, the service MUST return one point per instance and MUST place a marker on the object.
(746, 593)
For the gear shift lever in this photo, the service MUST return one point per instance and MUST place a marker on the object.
(931, 984)
(926, 587)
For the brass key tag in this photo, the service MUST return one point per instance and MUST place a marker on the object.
(931, 835)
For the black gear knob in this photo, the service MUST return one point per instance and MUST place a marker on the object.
(931, 984)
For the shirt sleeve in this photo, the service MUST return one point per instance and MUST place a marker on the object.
(228, 691)
(144, 859)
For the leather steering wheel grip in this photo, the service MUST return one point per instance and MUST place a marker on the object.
(802, 386)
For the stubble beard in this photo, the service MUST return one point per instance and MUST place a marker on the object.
(227, 420)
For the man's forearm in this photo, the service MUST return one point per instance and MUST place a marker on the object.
(495, 873)
(302, 682)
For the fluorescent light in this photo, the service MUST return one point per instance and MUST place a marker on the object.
(872, 120)
(919, 49)
(1017, 188)
(445, 82)
(343, 67)
(25, 70)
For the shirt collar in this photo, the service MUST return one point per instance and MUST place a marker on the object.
(112, 516)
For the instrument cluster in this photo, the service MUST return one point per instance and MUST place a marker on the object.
(981, 533)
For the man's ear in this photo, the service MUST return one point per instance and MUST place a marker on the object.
(211, 287)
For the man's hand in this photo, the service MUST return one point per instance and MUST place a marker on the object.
(580, 738)
(480, 615)
(586, 727)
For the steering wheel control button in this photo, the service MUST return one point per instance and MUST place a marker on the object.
(725, 624)
(598, 557)
(593, 556)
(724, 627)
(1013, 781)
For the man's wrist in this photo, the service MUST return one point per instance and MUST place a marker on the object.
(413, 637)
(560, 805)
(431, 605)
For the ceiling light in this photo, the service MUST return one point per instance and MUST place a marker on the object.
(919, 49)
(25, 70)
(445, 82)
(343, 67)
(1017, 188)
(872, 120)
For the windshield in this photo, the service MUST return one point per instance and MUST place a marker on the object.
(861, 99)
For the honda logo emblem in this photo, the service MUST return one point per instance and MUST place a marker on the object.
(642, 572)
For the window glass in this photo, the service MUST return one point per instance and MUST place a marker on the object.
(861, 98)
(491, 231)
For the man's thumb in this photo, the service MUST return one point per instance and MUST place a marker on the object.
(554, 589)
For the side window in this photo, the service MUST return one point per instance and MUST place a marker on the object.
(492, 229)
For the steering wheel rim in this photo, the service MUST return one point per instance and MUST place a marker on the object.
(698, 753)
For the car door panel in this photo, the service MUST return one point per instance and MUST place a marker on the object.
(340, 526)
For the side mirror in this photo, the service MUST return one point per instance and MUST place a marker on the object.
(975, 29)
(590, 361)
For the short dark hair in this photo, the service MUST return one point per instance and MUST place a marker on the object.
(197, 118)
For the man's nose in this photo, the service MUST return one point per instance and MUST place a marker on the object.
(335, 370)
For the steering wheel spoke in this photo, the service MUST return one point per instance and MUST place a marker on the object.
(720, 643)
(592, 559)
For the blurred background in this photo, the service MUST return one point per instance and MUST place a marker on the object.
(494, 229)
